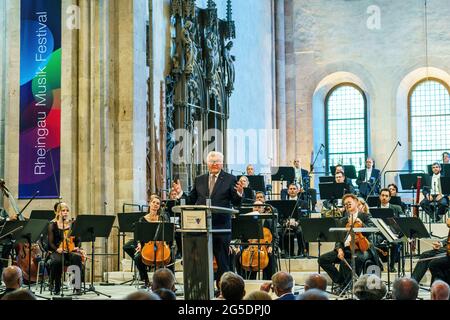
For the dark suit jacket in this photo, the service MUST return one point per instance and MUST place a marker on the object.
(289, 296)
(373, 177)
(223, 195)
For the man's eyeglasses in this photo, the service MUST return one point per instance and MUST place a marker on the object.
(215, 162)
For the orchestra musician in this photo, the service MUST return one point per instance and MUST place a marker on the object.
(440, 267)
(445, 157)
(367, 178)
(292, 228)
(434, 197)
(394, 193)
(342, 252)
(60, 243)
(339, 177)
(224, 191)
(249, 193)
(155, 214)
(270, 269)
(250, 170)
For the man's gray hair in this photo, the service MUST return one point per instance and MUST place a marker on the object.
(215, 154)
(283, 281)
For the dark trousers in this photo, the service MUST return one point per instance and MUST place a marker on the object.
(344, 275)
(142, 267)
(428, 207)
(56, 266)
(221, 247)
(287, 242)
(130, 248)
(440, 269)
(421, 267)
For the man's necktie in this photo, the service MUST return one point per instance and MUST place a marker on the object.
(212, 182)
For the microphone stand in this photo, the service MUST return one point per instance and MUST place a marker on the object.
(311, 171)
(381, 172)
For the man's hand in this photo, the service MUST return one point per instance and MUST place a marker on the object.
(239, 187)
(266, 287)
(176, 185)
(138, 247)
(437, 245)
(340, 254)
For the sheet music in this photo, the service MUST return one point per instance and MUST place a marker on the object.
(385, 230)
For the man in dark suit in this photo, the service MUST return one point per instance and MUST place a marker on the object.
(224, 191)
(282, 284)
(367, 178)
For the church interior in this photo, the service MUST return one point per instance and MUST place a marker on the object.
(190, 130)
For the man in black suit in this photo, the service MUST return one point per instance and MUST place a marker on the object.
(435, 201)
(367, 178)
(224, 191)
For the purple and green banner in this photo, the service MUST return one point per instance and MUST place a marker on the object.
(40, 98)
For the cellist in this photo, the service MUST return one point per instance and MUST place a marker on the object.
(155, 214)
(59, 242)
(342, 251)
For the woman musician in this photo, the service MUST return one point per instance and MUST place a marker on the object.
(61, 243)
(155, 214)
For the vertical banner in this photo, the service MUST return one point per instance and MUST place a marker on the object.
(40, 98)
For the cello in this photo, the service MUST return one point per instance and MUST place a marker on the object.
(256, 256)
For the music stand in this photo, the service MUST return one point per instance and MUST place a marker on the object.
(373, 201)
(146, 232)
(42, 215)
(382, 213)
(318, 230)
(246, 227)
(88, 228)
(282, 174)
(326, 179)
(285, 208)
(127, 222)
(331, 191)
(257, 183)
(349, 171)
(412, 228)
(31, 233)
(396, 200)
(409, 182)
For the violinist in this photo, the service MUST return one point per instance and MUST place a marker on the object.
(155, 214)
(61, 243)
(342, 252)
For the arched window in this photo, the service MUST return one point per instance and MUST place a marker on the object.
(346, 126)
(429, 111)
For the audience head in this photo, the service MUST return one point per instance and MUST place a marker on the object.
(282, 283)
(165, 294)
(316, 281)
(405, 289)
(370, 287)
(440, 290)
(142, 295)
(250, 170)
(214, 161)
(258, 295)
(19, 294)
(12, 277)
(313, 294)
(163, 278)
(232, 286)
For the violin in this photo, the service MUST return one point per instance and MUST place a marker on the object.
(361, 242)
(256, 256)
(67, 245)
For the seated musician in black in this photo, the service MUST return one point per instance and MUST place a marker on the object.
(270, 269)
(434, 196)
(342, 252)
(339, 177)
(394, 193)
(155, 214)
(291, 226)
(437, 266)
(59, 241)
